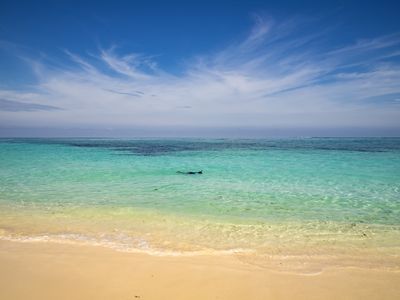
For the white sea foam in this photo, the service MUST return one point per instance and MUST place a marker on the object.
(135, 245)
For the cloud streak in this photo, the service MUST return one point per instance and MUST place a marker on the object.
(15, 106)
(276, 77)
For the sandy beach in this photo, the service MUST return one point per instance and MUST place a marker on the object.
(60, 271)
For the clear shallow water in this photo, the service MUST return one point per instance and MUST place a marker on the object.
(331, 201)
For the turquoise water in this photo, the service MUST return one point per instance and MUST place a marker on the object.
(298, 197)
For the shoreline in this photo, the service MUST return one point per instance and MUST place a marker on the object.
(313, 259)
(65, 271)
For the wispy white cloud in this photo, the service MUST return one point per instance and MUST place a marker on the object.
(275, 77)
(370, 44)
(127, 65)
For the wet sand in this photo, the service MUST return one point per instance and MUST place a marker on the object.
(60, 271)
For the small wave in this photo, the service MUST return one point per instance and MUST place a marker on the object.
(126, 244)
(298, 263)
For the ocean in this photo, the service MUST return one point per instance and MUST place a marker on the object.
(291, 203)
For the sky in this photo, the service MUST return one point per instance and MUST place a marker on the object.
(201, 69)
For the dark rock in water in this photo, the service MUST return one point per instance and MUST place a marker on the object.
(190, 172)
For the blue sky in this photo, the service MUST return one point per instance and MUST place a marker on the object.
(173, 68)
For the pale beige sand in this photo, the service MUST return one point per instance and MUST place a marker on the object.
(54, 271)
